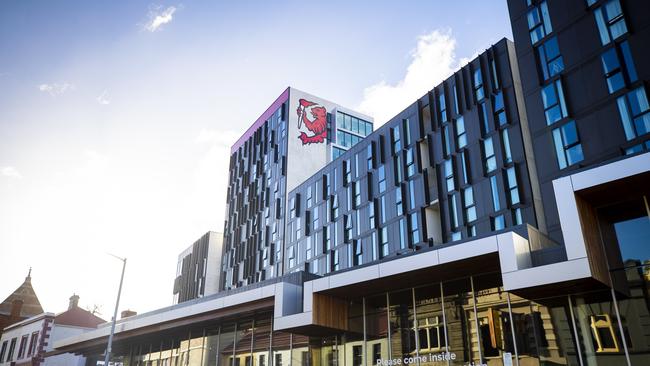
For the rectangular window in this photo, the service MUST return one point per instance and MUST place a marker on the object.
(498, 223)
(549, 58)
(358, 252)
(483, 117)
(292, 207)
(410, 162)
(442, 107)
(415, 229)
(3, 351)
(315, 218)
(567, 145)
(499, 109)
(456, 107)
(383, 237)
(489, 158)
(371, 215)
(398, 201)
(292, 257)
(478, 85)
(610, 21)
(397, 163)
(469, 204)
(411, 195)
(23, 346)
(456, 235)
(505, 140)
(356, 191)
(634, 108)
(407, 132)
(327, 239)
(553, 99)
(396, 140)
(347, 173)
(618, 74)
(513, 186)
(461, 134)
(370, 156)
(496, 204)
(495, 75)
(453, 211)
(382, 209)
(309, 196)
(539, 22)
(449, 175)
(334, 207)
(381, 175)
(347, 228)
(308, 248)
(12, 348)
(356, 165)
(403, 242)
(464, 158)
(335, 260)
(374, 245)
(516, 216)
(445, 140)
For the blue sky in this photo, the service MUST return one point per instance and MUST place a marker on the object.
(116, 117)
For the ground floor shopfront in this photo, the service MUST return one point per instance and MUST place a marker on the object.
(466, 321)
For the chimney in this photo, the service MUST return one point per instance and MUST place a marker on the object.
(128, 313)
(74, 301)
(16, 307)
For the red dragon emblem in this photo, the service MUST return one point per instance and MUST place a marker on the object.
(314, 116)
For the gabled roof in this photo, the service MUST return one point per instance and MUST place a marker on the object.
(78, 317)
(25, 293)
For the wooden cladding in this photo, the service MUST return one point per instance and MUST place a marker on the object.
(330, 312)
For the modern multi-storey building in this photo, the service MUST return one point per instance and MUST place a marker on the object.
(199, 268)
(296, 136)
(486, 224)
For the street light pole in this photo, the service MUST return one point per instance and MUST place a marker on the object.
(117, 304)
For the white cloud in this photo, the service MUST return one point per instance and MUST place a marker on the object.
(56, 89)
(11, 172)
(432, 61)
(159, 16)
(102, 99)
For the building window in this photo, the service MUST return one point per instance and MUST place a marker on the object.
(407, 131)
(605, 338)
(292, 207)
(292, 257)
(309, 196)
(335, 265)
(489, 158)
(445, 140)
(495, 193)
(396, 140)
(456, 108)
(383, 237)
(449, 175)
(453, 211)
(327, 239)
(513, 186)
(478, 84)
(12, 348)
(410, 162)
(376, 351)
(370, 156)
(539, 22)
(371, 214)
(308, 248)
(357, 355)
(381, 175)
(415, 229)
(356, 191)
(549, 58)
(397, 163)
(567, 145)
(347, 225)
(374, 244)
(554, 106)
(633, 108)
(334, 207)
(358, 252)
(315, 218)
(610, 21)
(336, 152)
(412, 195)
(461, 134)
(431, 333)
(516, 216)
(403, 242)
(498, 223)
(469, 204)
(3, 350)
(505, 140)
(442, 107)
(464, 157)
(398, 201)
(347, 173)
(471, 231)
(499, 109)
(483, 117)
(618, 74)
